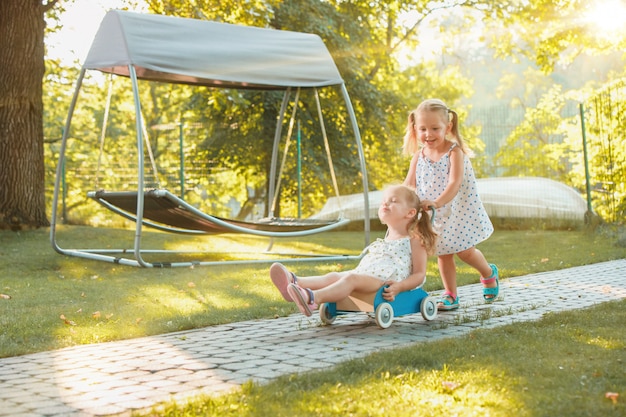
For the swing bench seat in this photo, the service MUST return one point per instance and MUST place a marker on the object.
(167, 212)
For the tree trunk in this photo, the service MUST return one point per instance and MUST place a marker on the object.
(22, 186)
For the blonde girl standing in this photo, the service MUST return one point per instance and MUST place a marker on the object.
(442, 173)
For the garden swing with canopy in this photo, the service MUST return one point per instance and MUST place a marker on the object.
(158, 48)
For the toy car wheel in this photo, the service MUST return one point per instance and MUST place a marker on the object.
(325, 315)
(384, 315)
(428, 308)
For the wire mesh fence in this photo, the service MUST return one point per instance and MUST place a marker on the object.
(583, 148)
(605, 150)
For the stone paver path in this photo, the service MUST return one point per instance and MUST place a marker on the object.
(118, 377)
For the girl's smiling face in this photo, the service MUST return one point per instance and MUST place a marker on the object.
(431, 128)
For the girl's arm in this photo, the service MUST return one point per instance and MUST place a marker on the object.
(419, 259)
(455, 178)
(409, 181)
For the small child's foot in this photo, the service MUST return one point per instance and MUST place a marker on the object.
(491, 285)
(303, 297)
(448, 302)
(282, 277)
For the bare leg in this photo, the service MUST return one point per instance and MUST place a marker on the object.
(320, 281)
(281, 277)
(343, 287)
(447, 269)
(475, 258)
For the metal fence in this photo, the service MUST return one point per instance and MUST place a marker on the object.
(604, 150)
(588, 154)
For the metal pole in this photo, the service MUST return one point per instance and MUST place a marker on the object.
(273, 189)
(60, 172)
(357, 136)
(299, 172)
(63, 194)
(140, 168)
(182, 159)
(587, 176)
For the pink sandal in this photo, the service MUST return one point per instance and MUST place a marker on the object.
(282, 277)
(303, 298)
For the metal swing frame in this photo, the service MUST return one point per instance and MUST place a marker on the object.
(135, 256)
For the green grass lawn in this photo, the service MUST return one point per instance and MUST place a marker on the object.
(58, 301)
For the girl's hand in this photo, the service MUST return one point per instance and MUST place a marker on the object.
(427, 204)
(391, 290)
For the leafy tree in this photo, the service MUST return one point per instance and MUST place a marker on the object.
(551, 32)
(22, 201)
(224, 114)
(367, 40)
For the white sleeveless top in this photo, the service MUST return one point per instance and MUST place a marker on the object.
(387, 259)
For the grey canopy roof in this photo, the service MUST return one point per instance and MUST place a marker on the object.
(191, 51)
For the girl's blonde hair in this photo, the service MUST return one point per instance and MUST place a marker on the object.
(421, 225)
(411, 144)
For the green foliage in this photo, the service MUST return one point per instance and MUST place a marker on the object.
(606, 147)
(251, 13)
(368, 41)
(353, 46)
(229, 130)
(552, 33)
(548, 144)
(535, 147)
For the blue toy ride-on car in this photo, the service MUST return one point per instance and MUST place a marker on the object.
(407, 302)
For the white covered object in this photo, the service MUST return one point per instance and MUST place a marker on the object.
(504, 197)
(531, 198)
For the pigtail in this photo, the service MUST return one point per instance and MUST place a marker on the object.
(420, 225)
(410, 144)
(454, 131)
(423, 228)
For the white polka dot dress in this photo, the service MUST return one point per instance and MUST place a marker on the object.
(463, 222)
(387, 260)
